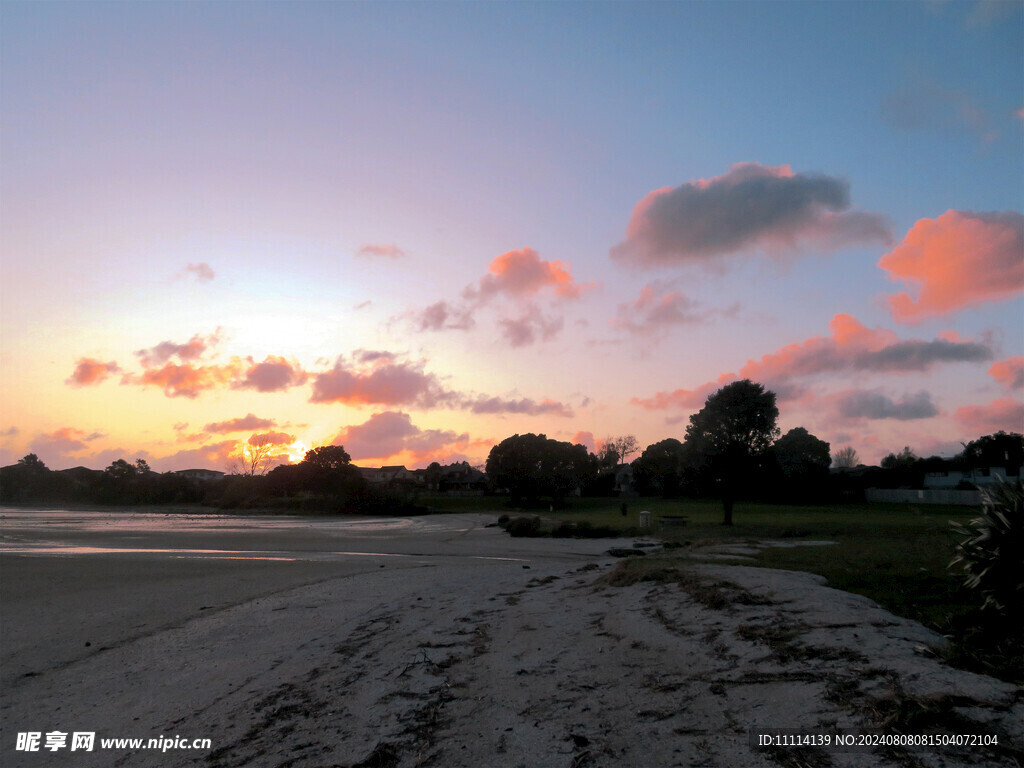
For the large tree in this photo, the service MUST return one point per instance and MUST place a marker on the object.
(531, 466)
(736, 426)
(800, 454)
(803, 461)
(659, 468)
(1003, 449)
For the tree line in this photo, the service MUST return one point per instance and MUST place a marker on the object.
(731, 450)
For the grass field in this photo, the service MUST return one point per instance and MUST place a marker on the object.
(895, 554)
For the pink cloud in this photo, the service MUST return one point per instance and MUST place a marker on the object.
(392, 433)
(851, 347)
(274, 374)
(202, 271)
(217, 456)
(54, 447)
(389, 383)
(659, 308)
(1009, 372)
(750, 206)
(586, 439)
(245, 423)
(89, 371)
(958, 260)
(442, 316)
(523, 273)
(191, 350)
(1002, 414)
(271, 438)
(388, 251)
(528, 328)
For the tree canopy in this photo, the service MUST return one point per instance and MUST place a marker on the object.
(531, 466)
(736, 424)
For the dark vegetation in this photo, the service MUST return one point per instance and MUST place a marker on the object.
(325, 481)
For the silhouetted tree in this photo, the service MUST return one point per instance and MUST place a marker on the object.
(902, 460)
(1003, 449)
(736, 426)
(659, 468)
(327, 457)
(531, 466)
(617, 450)
(846, 458)
(803, 461)
(32, 463)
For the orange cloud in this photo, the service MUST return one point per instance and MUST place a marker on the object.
(1002, 414)
(241, 424)
(1009, 372)
(186, 380)
(523, 273)
(750, 206)
(851, 347)
(959, 259)
(89, 371)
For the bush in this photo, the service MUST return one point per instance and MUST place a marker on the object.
(523, 526)
(992, 552)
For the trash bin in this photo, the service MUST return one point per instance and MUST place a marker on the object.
(645, 520)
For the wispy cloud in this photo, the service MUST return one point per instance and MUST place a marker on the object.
(371, 250)
(247, 423)
(202, 271)
(851, 347)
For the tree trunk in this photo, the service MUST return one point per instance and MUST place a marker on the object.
(727, 502)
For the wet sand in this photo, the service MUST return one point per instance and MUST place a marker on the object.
(438, 641)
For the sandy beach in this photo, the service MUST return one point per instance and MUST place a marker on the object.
(441, 641)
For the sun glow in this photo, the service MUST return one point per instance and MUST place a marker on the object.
(297, 451)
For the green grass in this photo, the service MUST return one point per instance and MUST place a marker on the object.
(894, 554)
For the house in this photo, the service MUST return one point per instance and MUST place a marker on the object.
(624, 480)
(200, 475)
(980, 477)
(388, 476)
(462, 479)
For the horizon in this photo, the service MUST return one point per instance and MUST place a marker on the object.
(417, 229)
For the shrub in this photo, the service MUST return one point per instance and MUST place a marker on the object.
(992, 552)
(523, 526)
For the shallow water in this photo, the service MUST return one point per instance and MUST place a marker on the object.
(59, 532)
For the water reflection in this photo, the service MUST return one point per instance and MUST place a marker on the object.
(74, 533)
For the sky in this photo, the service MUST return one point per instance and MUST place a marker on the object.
(415, 229)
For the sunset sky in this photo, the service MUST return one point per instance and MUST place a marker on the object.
(415, 229)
